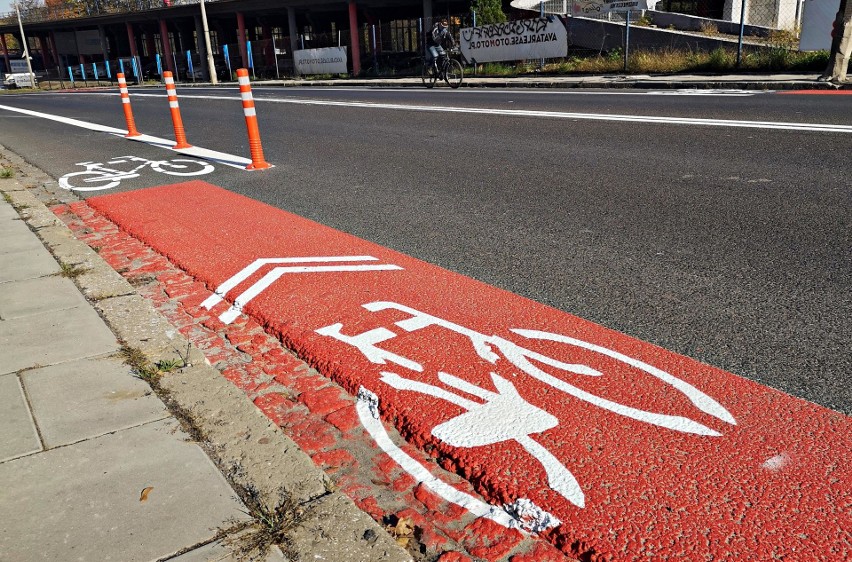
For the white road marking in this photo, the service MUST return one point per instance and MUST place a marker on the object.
(367, 407)
(526, 92)
(772, 125)
(701, 92)
(273, 275)
(205, 154)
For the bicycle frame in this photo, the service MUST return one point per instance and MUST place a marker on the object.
(446, 68)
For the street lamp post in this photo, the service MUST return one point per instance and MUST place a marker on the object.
(25, 47)
(211, 64)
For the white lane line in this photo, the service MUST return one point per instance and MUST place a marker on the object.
(773, 125)
(699, 92)
(205, 154)
(817, 127)
(529, 92)
(68, 121)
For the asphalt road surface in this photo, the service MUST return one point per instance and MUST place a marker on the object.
(722, 233)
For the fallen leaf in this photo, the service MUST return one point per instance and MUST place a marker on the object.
(404, 527)
(144, 496)
(402, 541)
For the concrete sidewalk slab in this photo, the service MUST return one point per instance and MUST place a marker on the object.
(27, 264)
(54, 293)
(87, 398)
(11, 225)
(53, 337)
(17, 238)
(7, 213)
(19, 432)
(84, 501)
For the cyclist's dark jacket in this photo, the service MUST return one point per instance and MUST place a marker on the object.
(441, 37)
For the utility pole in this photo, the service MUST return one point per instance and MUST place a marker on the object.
(25, 47)
(841, 44)
(211, 64)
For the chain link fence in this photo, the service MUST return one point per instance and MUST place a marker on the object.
(686, 25)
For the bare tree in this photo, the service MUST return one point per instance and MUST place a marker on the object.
(25, 5)
(841, 44)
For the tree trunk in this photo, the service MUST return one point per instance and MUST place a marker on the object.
(841, 44)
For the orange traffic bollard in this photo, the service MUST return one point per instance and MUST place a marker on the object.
(180, 134)
(125, 102)
(257, 161)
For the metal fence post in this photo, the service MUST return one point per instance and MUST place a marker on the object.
(541, 12)
(375, 55)
(626, 40)
(250, 59)
(742, 32)
(275, 53)
(190, 69)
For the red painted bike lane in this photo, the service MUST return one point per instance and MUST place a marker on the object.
(569, 429)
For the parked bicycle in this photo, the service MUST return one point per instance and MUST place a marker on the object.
(97, 176)
(446, 68)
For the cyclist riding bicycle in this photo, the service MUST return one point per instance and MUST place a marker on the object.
(438, 39)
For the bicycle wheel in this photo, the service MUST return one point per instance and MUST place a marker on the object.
(428, 75)
(454, 74)
(182, 167)
(79, 179)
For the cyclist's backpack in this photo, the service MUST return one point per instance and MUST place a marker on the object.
(436, 35)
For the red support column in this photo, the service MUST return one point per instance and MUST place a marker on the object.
(353, 36)
(167, 47)
(150, 44)
(268, 54)
(46, 55)
(5, 51)
(131, 38)
(241, 38)
(52, 39)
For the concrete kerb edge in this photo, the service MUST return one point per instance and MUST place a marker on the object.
(264, 466)
(625, 81)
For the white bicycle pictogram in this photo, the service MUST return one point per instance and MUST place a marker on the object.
(491, 413)
(97, 176)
